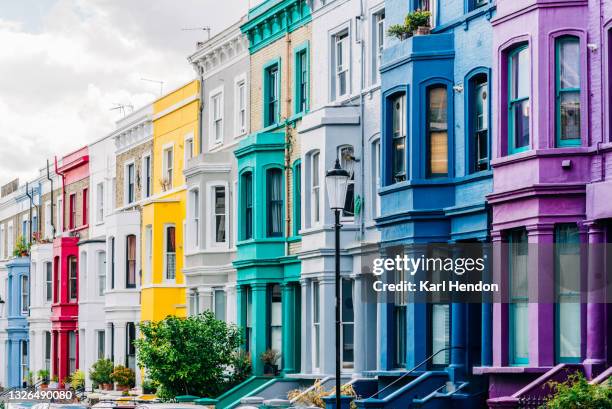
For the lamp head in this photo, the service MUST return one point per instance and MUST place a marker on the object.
(336, 181)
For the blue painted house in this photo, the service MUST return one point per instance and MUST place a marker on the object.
(17, 325)
(435, 175)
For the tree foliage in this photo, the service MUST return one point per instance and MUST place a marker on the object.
(578, 393)
(197, 355)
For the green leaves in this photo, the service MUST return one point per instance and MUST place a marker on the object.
(578, 393)
(195, 355)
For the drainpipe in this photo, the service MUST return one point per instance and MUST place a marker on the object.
(52, 204)
(288, 145)
(30, 213)
(601, 90)
(361, 119)
(63, 195)
(200, 72)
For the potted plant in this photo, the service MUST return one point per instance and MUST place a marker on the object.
(419, 22)
(68, 381)
(100, 374)
(43, 377)
(270, 358)
(77, 379)
(123, 377)
(22, 248)
(415, 23)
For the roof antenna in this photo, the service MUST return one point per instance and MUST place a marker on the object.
(205, 28)
(161, 84)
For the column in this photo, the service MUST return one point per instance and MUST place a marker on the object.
(327, 341)
(290, 337)
(230, 303)
(241, 310)
(499, 323)
(107, 340)
(596, 284)
(260, 325)
(306, 323)
(120, 334)
(541, 282)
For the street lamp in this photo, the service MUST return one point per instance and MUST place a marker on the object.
(1, 306)
(336, 182)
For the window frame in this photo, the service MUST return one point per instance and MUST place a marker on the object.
(194, 217)
(315, 190)
(24, 299)
(72, 200)
(472, 81)
(168, 169)
(296, 172)
(101, 272)
(166, 253)
(428, 131)
(212, 215)
(376, 45)
(146, 179)
(268, 68)
(342, 36)
(247, 231)
(511, 102)
(277, 202)
(240, 82)
(126, 183)
(127, 261)
(216, 94)
(73, 294)
(559, 142)
(48, 288)
(100, 202)
(512, 301)
(189, 140)
(85, 206)
(301, 97)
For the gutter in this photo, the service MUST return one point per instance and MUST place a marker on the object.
(52, 203)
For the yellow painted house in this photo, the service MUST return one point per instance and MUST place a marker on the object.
(175, 140)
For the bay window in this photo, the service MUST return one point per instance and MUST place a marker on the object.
(568, 91)
(101, 272)
(437, 131)
(275, 334)
(519, 84)
(194, 216)
(315, 188)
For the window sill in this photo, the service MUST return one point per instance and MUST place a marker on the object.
(483, 370)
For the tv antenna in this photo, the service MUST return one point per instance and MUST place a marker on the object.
(121, 108)
(205, 28)
(161, 84)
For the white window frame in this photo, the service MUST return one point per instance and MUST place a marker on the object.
(315, 202)
(376, 176)
(24, 296)
(101, 273)
(240, 81)
(350, 181)
(215, 139)
(346, 67)
(211, 216)
(100, 202)
(25, 221)
(47, 296)
(165, 255)
(189, 141)
(377, 33)
(48, 228)
(126, 201)
(60, 216)
(10, 240)
(145, 191)
(2, 241)
(234, 213)
(165, 168)
(194, 223)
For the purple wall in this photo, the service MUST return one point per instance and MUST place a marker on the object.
(546, 185)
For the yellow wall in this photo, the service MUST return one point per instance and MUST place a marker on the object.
(174, 117)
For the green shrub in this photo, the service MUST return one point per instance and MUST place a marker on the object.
(77, 379)
(101, 371)
(578, 393)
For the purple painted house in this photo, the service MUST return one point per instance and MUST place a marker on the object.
(552, 198)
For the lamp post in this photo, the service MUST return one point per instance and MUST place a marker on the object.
(336, 182)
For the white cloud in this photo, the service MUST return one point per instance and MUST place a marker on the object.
(65, 63)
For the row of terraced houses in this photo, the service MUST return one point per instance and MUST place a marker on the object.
(494, 127)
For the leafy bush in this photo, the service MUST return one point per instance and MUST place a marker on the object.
(578, 393)
(190, 356)
(123, 376)
(22, 248)
(270, 356)
(77, 379)
(314, 397)
(43, 375)
(412, 21)
(101, 371)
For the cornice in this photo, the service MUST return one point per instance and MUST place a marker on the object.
(270, 20)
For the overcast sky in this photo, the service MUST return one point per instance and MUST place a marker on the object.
(64, 64)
